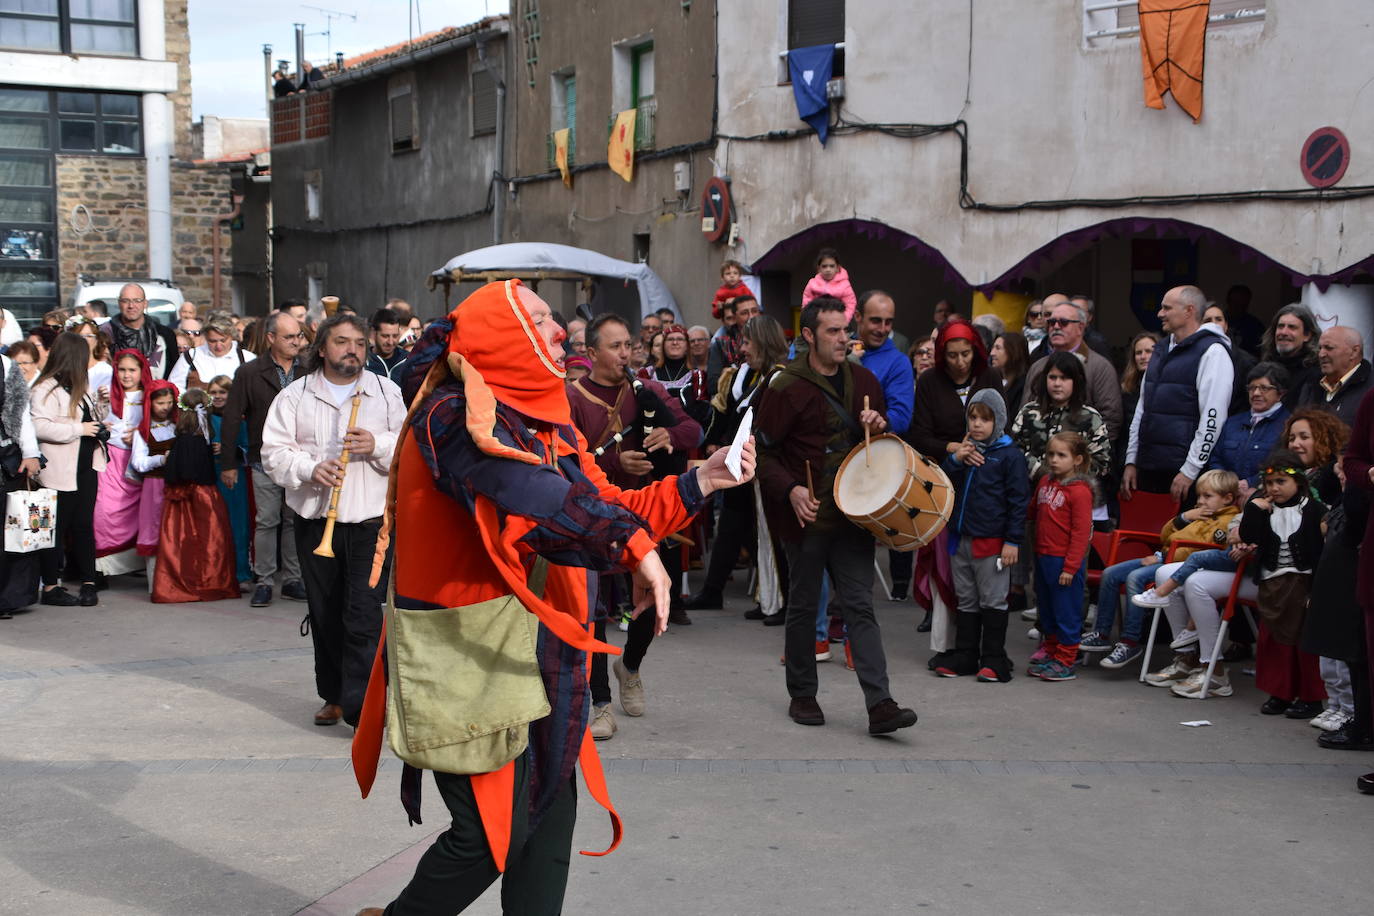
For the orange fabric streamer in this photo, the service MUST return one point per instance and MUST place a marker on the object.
(1173, 42)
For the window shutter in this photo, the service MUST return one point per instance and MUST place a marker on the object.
(814, 22)
(483, 103)
(402, 122)
(1129, 16)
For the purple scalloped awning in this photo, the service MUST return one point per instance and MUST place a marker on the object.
(809, 239)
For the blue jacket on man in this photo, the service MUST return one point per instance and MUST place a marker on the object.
(893, 369)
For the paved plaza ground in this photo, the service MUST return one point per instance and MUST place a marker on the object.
(160, 759)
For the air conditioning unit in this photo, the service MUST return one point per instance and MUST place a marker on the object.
(835, 88)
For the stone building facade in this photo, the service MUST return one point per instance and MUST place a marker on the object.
(97, 170)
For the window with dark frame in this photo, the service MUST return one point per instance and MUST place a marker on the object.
(36, 125)
(103, 27)
(817, 22)
(405, 134)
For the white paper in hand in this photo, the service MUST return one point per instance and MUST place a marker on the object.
(734, 458)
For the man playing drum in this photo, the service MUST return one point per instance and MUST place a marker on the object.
(809, 418)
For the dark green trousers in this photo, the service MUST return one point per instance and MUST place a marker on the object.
(459, 868)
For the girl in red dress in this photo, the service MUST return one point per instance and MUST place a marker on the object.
(195, 552)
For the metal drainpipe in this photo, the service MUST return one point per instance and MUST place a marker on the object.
(214, 258)
(498, 207)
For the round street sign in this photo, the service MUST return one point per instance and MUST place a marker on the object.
(715, 210)
(1325, 156)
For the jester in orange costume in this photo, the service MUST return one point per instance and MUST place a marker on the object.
(491, 474)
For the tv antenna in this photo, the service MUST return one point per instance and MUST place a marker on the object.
(329, 17)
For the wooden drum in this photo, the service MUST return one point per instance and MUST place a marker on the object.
(898, 495)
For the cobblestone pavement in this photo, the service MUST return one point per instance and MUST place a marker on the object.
(160, 759)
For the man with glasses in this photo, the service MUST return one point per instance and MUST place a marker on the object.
(698, 347)
(1065, 326)
(133, 329)
(1184, 397)
(256, 385)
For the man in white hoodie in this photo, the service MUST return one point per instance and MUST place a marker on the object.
(1184, 397)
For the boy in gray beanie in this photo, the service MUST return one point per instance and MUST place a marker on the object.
(991, 489)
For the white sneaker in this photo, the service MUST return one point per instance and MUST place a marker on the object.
(1330, 720)
(1149, 598)
(1191, 689)
(1033, 633)
(1185, 638)
(1180, 669)
(1030, 615)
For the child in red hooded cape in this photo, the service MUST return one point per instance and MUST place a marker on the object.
(490, 474)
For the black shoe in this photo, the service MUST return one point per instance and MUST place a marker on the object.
(1274, 707)
(1303, 710)
(59, 597)
(899, 590)
(775, 620)
(806, 711)
(1365, 783)
(705, 600)
(678, 617)
(89, 598)
(1237, 652)
(1346, 738)
(924, 625)
(887, 717)
(262, 596)
(294, 590)
(755, 613)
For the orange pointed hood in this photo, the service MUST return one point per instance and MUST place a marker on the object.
(493, 332)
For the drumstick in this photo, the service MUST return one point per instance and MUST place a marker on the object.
(810, 490)
(866, 433)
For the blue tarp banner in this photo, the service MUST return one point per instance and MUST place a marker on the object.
(810, 70)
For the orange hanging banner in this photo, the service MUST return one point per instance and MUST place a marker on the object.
(1173, 41)
(560, 154)
(620, 153)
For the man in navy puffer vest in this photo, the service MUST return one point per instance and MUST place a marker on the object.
(1183, 400)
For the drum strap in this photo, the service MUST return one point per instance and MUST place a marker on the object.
(852, 424)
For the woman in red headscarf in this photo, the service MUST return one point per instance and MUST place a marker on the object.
(490, 475)
(151, 443)
(116, 502)
(937, 427)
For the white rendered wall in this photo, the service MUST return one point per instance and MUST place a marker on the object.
(1050, 118)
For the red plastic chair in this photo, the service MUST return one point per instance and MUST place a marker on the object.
(1142, 518)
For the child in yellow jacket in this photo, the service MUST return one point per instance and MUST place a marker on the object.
(1218, 495)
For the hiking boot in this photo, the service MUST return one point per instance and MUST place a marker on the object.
(887, 717)
(603, 722)
(806, 711)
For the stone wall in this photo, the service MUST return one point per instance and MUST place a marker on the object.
(179, 50)
(199, 194)
(103, 223)
(102, 218)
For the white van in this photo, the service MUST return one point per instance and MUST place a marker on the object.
(164, 299)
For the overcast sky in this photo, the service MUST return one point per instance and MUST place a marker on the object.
(227, 38)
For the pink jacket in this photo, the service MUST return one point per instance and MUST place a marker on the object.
(59, 435)
(838, 287)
